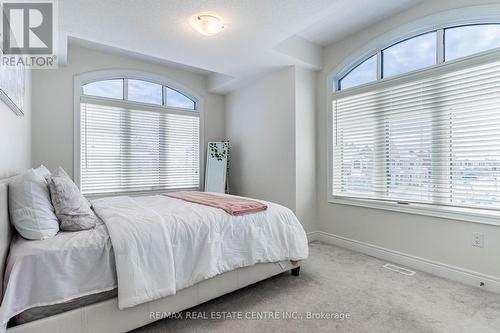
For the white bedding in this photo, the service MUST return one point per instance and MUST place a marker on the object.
(55, 270)
(191, 243)
(163, 244)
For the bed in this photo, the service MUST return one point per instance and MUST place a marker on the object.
(96, 307)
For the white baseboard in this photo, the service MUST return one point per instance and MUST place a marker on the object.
(471, 278)
(313, 236)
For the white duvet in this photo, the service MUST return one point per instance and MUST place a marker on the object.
(163, 244)
(159, 245)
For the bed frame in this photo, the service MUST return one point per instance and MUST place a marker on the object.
(106, 317)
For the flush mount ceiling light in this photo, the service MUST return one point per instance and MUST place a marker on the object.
(207, 25)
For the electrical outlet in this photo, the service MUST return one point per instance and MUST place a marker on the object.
(478, 239)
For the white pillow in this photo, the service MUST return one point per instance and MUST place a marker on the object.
(43, 172)
(31, 211)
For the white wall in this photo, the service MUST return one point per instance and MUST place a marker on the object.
(305, 146)
(260, 125)
(441, 240)
(271, 127)
(15, 136)
(52, 133)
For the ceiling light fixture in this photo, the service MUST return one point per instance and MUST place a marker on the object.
(207, 25)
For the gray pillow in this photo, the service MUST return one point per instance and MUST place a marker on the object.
(72, 209)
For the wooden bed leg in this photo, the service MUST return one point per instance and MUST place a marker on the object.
(296, 271)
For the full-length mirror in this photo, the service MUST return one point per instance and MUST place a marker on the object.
(216, 170)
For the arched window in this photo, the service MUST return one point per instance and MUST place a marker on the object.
(427, 139)
(469, 39)
(421, 51)
(140, 91)
(363, 73)
(136, 134)
(409, 55)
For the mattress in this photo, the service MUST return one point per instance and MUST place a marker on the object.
(66, 267)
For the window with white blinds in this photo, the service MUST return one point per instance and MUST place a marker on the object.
(128, 147)
(434, 140)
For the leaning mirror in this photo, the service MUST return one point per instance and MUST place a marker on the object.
(216, 170)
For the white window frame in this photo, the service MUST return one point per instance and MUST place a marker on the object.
(478, 215)
(126, 74)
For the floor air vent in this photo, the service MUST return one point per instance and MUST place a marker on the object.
(398, 269)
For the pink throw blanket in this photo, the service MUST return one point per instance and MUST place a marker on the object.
(232, 205)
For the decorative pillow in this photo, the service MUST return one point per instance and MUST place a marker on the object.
(71, 207)
(31, 211)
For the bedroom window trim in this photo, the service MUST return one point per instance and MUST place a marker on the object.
(476, 215)
(126, 74)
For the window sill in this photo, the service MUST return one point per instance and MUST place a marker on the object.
(454, 213)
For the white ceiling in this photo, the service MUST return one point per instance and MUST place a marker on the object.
(260, 35)
(353, 16)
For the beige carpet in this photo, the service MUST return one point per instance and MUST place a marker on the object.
(336, 281)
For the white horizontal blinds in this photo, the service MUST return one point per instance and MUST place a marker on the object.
(127, 149)
(355, 163)
(475, 139)
(181, 145)
(436, 140)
